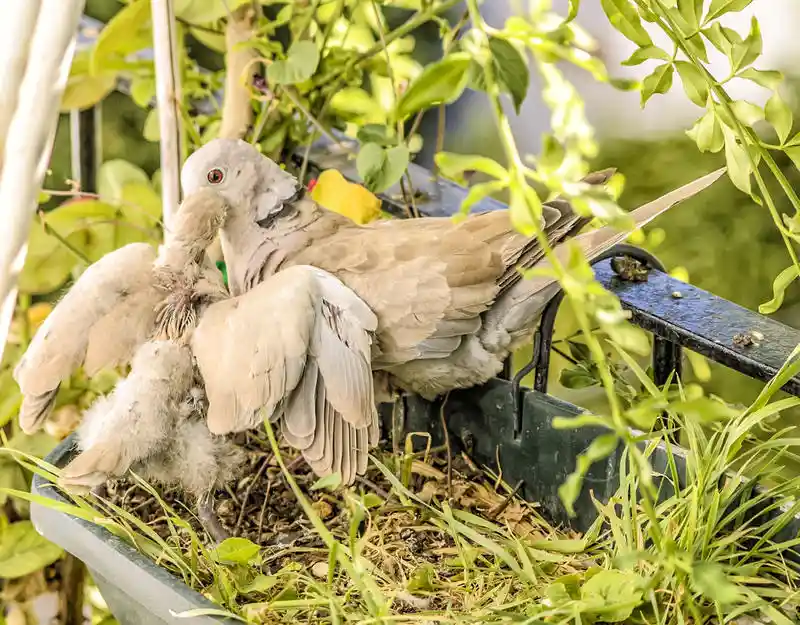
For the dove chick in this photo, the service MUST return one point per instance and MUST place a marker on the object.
(153, 423)
(118, 303)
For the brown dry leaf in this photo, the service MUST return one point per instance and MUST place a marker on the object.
(424, 469)
(323, 509)
(430, 489)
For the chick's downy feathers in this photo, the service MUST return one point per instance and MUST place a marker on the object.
(153, 424)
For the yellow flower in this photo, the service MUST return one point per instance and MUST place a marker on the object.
(346, 198)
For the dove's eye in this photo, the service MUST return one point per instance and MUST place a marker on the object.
(216, 175)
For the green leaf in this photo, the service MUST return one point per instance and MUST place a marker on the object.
(329, 482)
(454, 165)
(10, 396)
(709, 578)
(522, 211)
(439, 83)
(381, 168)
(301, 62)
(766, 78)
(140, 204)
(743, 54)
(660, 81)
(722, 38)
(585, 420)
(23, 550)
(694, 83)
(737, 161)
(127, 32)
(354, 102)
(511, 70)
(236, 550)
(560, 545)
(779, 286)
(691, 11)
(600, 448)
(747, 112)
(704, 410)
(423, 579)
(376, 133)
(207, 11)
(39, 444)
(152, 129)
(143, 90)
(793, 152)
(779, 115)
(720, 7)
(697, 47)
(481, 191)
(87, 225)
(707, 133)
(640, 55)
(84, 90)
(614, 594)
(574, 6)
(623, 16)
(114, 175)
(260, 583)
(577, 378)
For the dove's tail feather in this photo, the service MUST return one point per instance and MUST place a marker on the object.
(596, 242)
(513, 316)
(35, 409)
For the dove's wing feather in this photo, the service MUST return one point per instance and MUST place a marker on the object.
(251, 350)
(300, 341)
(101, 320)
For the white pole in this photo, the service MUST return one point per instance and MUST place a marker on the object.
(31, 131)
(16, 32)
(167, 90)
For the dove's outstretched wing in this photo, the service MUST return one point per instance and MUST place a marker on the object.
(99, 323)
(296, 348)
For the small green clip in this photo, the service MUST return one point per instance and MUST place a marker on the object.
(224, 270)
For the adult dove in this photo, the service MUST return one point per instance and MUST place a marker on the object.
(449, 298)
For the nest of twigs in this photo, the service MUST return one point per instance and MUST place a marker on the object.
(400, 536)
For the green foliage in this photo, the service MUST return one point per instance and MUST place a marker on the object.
(381, 168)
(301, 62)
(23, 550)
(440, 83)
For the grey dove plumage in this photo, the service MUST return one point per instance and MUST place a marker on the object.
(450, 302)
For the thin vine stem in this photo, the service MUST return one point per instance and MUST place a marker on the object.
(517, 172)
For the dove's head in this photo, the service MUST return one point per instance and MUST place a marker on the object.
(253, 186)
